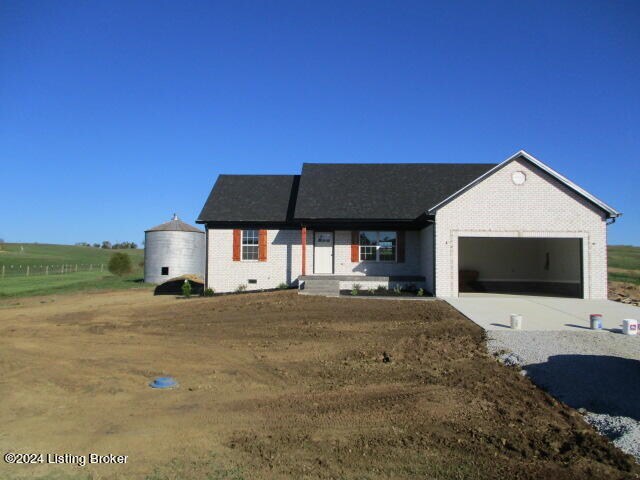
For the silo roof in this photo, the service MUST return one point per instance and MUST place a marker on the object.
(175, 225)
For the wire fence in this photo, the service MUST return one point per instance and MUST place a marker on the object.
(9, 271)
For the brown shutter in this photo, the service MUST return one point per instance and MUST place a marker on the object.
(262, 246)
(355, 246)
(400, 247)
(237, 237)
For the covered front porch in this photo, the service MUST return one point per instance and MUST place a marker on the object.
(368, 257)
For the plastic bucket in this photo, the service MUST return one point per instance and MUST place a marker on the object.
(516, 321)
(630, 326)
(596, 321)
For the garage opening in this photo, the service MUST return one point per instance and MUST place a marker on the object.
(523, 266)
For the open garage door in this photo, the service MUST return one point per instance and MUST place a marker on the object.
(529, 266)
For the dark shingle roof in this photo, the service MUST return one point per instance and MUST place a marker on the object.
(175, 225)
(399, 191)
(250, 198)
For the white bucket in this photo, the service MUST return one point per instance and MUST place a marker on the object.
(516, 321)
(629, 326)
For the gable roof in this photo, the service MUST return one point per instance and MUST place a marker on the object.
(611, 212)
(356, 192)
(250, 198)
(399, 191)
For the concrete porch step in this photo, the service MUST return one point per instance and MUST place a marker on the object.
(321, 286)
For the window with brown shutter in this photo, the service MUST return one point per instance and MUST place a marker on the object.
(236, 245)
(262, 243)
(355, 246)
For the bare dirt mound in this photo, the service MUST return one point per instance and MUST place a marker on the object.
(277, 385)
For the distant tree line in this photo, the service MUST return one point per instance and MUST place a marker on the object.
(108, 245)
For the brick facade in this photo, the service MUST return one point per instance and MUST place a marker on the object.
(541, 207)
(283, 265)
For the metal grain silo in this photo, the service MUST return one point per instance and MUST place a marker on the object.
(172, 249)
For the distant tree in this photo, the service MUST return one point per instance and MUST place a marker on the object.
(82, 244)
(123, 245)
(120, 264)
(96, 245)
(106, 244)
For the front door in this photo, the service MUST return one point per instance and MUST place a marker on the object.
(323, 252)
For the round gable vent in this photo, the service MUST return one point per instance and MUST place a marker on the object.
(518, 178)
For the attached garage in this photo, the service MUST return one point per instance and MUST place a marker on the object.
(522, 228)
(533, 266)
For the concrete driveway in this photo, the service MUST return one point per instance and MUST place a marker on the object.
(492, 312)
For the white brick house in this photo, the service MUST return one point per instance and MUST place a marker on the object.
(513, 227)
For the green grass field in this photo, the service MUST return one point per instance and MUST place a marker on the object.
(624, 263)
(16, 256)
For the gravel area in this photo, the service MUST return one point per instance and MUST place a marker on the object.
(595, 372)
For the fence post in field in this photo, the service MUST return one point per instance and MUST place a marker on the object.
(27, 270)
(46, 270)
(76, 268)
(101, 266)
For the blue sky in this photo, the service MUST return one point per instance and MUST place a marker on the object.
(113, 115)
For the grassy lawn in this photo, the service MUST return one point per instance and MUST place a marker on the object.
(46, 254)
(20, 255)
(624, 263)
(72, 282)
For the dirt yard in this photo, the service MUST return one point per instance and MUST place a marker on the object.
(276, 386)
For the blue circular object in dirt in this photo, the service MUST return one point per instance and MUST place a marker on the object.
(164, 382)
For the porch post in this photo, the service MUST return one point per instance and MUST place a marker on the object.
(303, 234)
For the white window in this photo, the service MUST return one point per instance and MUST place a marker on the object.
(250, 245)
(378, 246)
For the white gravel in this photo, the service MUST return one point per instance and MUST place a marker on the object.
(595, 372)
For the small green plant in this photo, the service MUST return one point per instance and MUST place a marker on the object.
(120, 264)
(355, 289)
(209, 292)
(283, 286)
(186, 289)
(381, 289)
(397, 290)
(420, 292)
(241, 288)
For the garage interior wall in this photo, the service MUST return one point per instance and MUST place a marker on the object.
(522, 259)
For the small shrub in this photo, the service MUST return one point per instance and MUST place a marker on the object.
(241, 288)
(186, 289)
(397, 290)
(120, 264)
(355, 289)
(283, 286)
(208, 292)
(420, 292)
(381, 289)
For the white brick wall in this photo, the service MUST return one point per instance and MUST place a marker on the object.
(541, 207)
(284, 254)
(284, 260)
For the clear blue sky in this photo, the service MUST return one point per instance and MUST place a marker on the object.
(113, 115)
